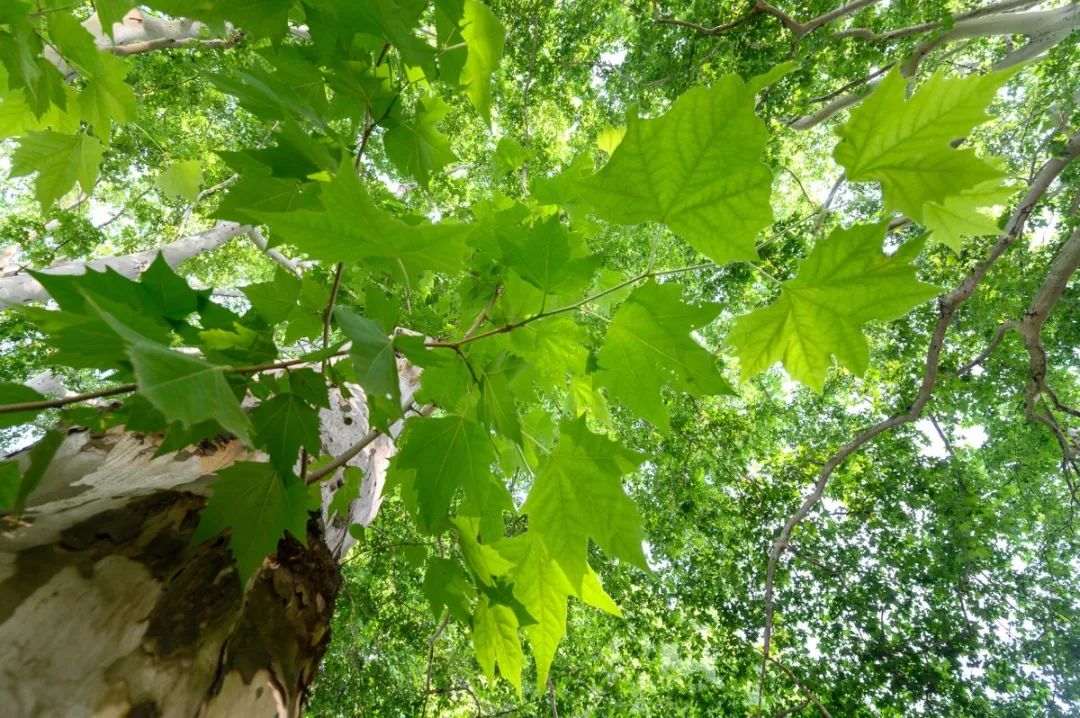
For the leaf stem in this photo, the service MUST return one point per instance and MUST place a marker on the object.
(510, 326)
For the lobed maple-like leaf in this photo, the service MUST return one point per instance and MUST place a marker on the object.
(257, 506)
(648, 346)
(907, 146)
(697, 168)
(846, 282)
(578, 495)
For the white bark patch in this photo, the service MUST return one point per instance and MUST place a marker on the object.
(235, 698)
(48, 647)
(90, 475)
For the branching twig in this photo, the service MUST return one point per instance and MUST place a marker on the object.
(948, 306)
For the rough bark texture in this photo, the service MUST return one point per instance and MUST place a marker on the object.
(106, 610)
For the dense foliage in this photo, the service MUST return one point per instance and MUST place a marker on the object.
(747, 329)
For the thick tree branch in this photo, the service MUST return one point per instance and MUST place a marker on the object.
(863, 33)
(947, 308)
(1044, 29)
(23, 289)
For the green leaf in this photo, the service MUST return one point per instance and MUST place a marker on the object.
(311, 386)
(184, 388)
(111, 12)
(17, 394)
(373, 357)
(350, 228)
(447, 586)
(168, 295)
(258, 506)
(844, 283)
(648, 346)
(958, 216)
(484, 36)
(906, 144)
(541, 586)
(510, 156)
(347, 493)
(181, 179)
(577, 495)
(417, 148)
(543, 257)
(41, 455)
(609, 139)
(274, 300)
(283, 424)
(697, 168)
(446, 454)
(187, 389)
(107, 96)
(60, 161)
(495, 640)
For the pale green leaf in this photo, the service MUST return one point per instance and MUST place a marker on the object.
(60, 161)
(578, 495)
(845, 282)
(905, 144)
(484, 37)
(181, 180)
(697, 168)
(649, 347)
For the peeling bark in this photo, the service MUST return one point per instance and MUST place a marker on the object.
(106, 609)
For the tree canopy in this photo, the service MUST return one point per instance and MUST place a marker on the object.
(748, 352)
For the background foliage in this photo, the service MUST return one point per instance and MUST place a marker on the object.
(462, 170)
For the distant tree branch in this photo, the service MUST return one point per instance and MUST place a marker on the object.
(1044, 29)
(23, 289)
(761, 7)
(947, 308)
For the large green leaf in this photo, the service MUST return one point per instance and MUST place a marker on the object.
(906, 145)
(283, 424)
(417, 148)
(258, 506)
(543, 589)
(445, 455)
(845, 282)
(375, 362)
(184, 388)
(59, 160)
(495, 640)
(697, 168)
(578, 495)
(484, 37)
(350, 228)
(648, 347)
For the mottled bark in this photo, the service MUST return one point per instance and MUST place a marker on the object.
(106, 609)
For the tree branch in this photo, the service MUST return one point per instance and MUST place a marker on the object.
(948, 306)
(23, 289)
(1044, 29)
(761, 7)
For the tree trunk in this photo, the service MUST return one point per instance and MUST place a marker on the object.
(107, 610)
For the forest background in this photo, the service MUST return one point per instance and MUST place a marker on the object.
(764, 404)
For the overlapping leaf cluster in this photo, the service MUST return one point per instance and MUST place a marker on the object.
(524, 365)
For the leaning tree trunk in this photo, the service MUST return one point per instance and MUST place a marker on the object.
(107, 610)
